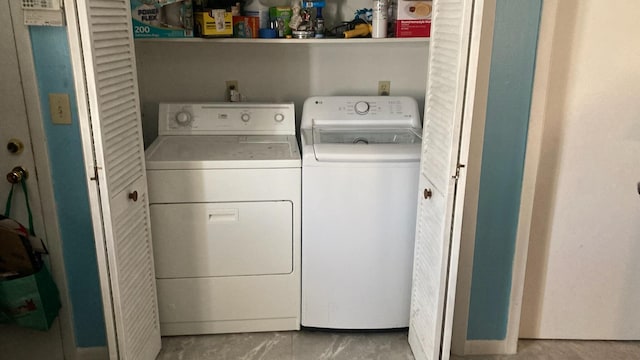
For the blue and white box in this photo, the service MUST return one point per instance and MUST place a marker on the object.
(162, 18)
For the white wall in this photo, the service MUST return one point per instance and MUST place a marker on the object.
(582, 272)
(197, 71)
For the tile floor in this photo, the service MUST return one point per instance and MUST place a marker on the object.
(317, 345)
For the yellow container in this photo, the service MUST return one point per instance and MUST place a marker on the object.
(213, 23)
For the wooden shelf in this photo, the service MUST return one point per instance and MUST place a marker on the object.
(197, 40)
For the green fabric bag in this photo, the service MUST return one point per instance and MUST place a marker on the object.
(30, 301)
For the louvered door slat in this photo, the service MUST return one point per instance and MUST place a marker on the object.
(115, 72)
(121, 148)
(119, 132)
(122, 178)
(112, 51)
(115, 92)
(110, 34)
(113, 58)
(107, 68)
(115, 98)
(449, 46)
(120, 108)
(111, 85)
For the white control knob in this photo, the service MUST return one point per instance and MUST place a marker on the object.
(245, 117)
(183, 118)
(362, 107)
(278, 117)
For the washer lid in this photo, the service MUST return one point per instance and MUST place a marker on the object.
(223, 152)
(366, 144)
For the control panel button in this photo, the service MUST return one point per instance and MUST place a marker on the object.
(362, 107)
(183, 118)
(245, 117)
(279, 117)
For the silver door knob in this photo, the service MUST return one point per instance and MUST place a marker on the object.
(16, 175)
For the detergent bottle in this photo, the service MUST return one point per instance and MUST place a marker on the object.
(257, 8)
(380, 18)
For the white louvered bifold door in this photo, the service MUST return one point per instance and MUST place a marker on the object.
(109, 111)
(436, 246)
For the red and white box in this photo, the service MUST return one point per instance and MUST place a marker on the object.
(414, 18)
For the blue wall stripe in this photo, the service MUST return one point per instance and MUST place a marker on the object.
(54, 74)
(510, 85)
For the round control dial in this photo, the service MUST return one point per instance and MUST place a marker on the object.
(361, 107)
(183, 118)
(245, 117)
(278, 117)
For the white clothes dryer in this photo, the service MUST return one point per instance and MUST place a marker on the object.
(360, 169)
(224, 193)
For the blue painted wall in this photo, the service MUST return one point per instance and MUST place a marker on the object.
(53, 70)
(510, 85)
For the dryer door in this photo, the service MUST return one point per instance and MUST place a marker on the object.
(222, 239)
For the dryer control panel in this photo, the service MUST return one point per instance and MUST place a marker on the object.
(226, 119)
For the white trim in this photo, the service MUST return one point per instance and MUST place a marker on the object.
(45, 181)
(486, 347)
(479, 109)
(84, 121)
(92, 353)
(531, 164)
(476, 92)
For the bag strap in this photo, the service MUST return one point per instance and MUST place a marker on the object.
(7, 209)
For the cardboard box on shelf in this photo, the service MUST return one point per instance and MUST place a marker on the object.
(162, 18)
(414, 18)
(281, 15)
(246, 26)
(214, 23)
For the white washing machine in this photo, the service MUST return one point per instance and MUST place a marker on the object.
(224, 193)
(360, 161)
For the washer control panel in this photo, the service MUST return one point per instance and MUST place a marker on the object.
(226, 118)
(381, 111)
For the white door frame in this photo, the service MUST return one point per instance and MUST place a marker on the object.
(537, 116)
(45, 181)
(460, 344)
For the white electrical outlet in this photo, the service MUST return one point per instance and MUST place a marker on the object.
(384, 88)
(233, 92)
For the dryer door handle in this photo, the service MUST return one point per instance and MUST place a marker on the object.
(223, 215)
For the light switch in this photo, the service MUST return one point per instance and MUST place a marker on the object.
(59, 108)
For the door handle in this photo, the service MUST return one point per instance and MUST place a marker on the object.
(133, 196)
(16, 175)
(427, 193)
